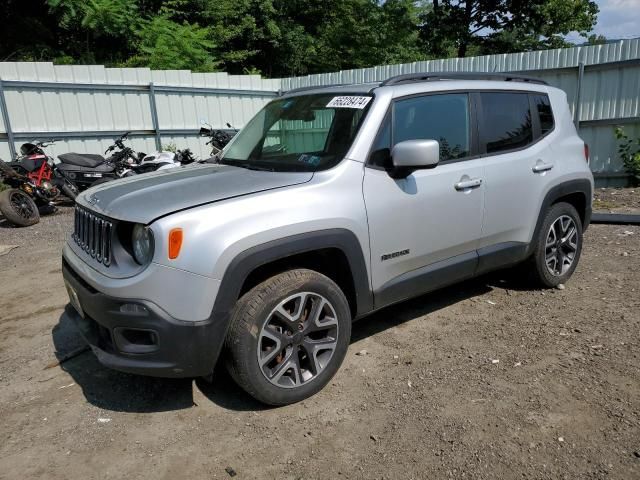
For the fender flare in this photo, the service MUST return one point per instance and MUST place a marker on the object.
(247, 261)
(581, 185)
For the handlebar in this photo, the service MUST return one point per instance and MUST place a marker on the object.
(118, 142)
(46, 143)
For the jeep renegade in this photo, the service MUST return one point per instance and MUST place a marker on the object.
(331, 203)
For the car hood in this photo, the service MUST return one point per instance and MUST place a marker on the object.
(144, 198)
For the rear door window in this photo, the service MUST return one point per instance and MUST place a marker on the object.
(505, 122)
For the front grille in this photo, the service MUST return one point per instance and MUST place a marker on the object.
(93, 235)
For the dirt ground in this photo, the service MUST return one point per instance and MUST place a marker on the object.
(617, 200)
(487, 379)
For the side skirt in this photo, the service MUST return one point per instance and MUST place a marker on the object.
(426, 279)
(447, 272)
(500, 255)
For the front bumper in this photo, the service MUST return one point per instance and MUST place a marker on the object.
(137, 336)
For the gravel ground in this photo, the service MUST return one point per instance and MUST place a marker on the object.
(487, 379)
(617, 200)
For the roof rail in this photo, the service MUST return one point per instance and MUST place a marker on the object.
(427, 77)
(312, 87)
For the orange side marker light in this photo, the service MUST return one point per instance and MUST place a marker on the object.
(175, 243)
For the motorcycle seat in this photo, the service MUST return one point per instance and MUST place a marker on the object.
(102, 168)
(89, 160)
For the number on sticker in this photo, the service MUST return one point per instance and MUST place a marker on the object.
(349, 102)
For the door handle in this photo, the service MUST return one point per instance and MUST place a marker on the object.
(542, 167)
(470, 183)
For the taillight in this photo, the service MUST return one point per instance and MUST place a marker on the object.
(586, 153)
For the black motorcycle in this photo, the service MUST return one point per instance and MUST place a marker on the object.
(218, 139)
(85, 170)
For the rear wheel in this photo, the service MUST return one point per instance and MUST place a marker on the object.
(19, 208)
(288, 337)
(558, 246)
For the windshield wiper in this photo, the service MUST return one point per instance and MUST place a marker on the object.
(248, 166)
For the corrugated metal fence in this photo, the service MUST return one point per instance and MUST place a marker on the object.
(602, 84)
(87, 106)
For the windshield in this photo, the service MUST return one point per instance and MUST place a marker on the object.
(303, 133)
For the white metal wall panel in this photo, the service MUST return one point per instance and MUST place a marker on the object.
(608, 93)
(603, 146)
(101, 110)
(612, 93)
(540, 60)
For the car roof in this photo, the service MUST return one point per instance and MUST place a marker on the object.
(357, 88)
(434, 81)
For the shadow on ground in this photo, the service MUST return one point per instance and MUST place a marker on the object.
(112, 390)
(116, 391)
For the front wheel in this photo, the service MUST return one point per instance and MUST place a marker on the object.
(19, 208)
(558, 246)
(288, 337)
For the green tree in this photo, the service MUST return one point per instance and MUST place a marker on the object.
(501, 26)
(281, 37)
(364, 33)
(165, 44)
(28, 31)
(293, 37)
(596, 39)
(93, 31)
(629, 151)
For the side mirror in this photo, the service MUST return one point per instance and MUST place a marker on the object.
(413, 155)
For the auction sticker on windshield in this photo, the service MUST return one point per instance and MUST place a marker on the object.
(349, 102)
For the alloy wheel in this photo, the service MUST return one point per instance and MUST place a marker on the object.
(297, 340)
(561, 245)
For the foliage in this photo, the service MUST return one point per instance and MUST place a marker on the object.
(165, 44)
(281, 37)
(502, 26)
(596, 39)
(170, 147)
(629, 152)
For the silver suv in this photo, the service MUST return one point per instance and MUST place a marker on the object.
(331, 203)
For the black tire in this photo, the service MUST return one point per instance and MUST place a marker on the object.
(255, 310)
(540, 270)
(19, 208)
(70, 191)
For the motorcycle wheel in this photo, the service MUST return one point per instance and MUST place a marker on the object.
(19, 208)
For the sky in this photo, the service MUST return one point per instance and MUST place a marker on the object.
(618, 18)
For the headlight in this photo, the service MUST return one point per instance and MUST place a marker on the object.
(142, 243)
